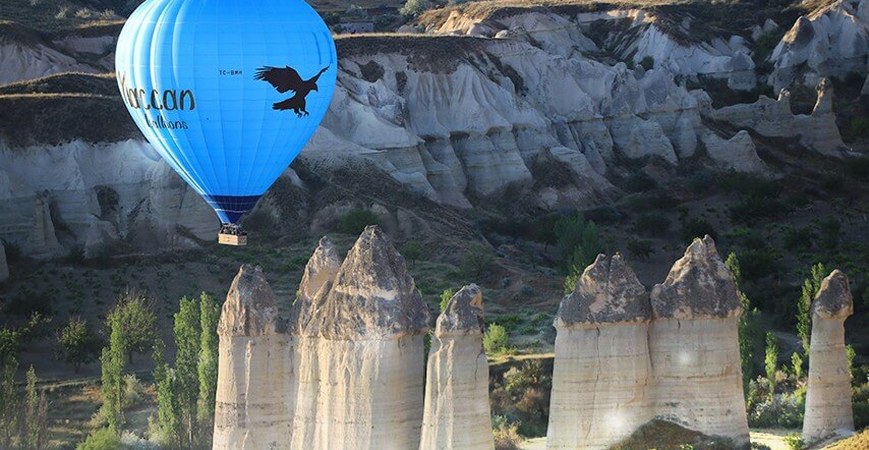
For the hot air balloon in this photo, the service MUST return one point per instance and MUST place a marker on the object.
(227, 91)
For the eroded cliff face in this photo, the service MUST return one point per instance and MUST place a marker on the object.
(457, 119)
(830, 41)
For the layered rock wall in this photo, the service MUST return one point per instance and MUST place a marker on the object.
(828, 396)
(255, 387)
(602, 373)
(694, 346)
(457, 411)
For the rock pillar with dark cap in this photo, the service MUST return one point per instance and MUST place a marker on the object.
(360, 368)
(602, 374)
(457, 412)
(828, 397)
(694, 346)
(254, 403)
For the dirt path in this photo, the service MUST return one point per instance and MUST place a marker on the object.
(774, 439)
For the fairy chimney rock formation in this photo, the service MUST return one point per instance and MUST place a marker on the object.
(457, 412)
(602, 374)
(694, 346)
(254, 407)
(360, 346)
(828, 397)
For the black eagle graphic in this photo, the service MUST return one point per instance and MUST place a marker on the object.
(288, 79)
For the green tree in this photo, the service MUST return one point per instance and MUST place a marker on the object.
(10, 343)
(187, 343)
(77, 344)
(771, 359)
(169, 428)
(414, 7)
(102, 439)
(113, 358)
(134, 313)
(749, 326)
(208, 353)
(495, 339)
(578, 241)
(35, 414)
(797, 365)
(446, 295)
(804, 308)
(412, 251)
(8, 402)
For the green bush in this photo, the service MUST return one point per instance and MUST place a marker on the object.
(506, 434)
(794, 442)
(355, 221)
(578, 241)
(102, 439)
(640, 248)
(648, 63)
(858, 167)
(859, 127)
(76, 344)
(477, 261)
(652, 224)
(446, 295)
(860, 405)
(412, 251)
(798, 238)
(495, 340)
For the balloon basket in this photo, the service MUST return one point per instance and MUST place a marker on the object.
(231, 234)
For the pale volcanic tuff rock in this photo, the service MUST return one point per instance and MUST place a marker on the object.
(457, 412)
(25, 55)
(831, 41)
(255, 388)
(828, 396)
(359, 372)
(99, 192)
(601, 382)
(42, 241)
(819, 130)
(694, 347)
(737, 153)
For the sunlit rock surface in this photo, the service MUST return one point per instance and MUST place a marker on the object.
(828, 396)
(602, 378)
(255, 370)
(694, 346)
(359, 369)
(457, 412)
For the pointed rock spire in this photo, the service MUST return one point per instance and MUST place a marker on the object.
(698, 285)
(608, 291)
(250, 308)
(834, 298)
(464, 313)
(372, 295)
(316, 282)
(321, 268)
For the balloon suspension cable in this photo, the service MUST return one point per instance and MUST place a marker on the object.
(232, 234)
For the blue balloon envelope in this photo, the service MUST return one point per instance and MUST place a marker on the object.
(227, 91)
